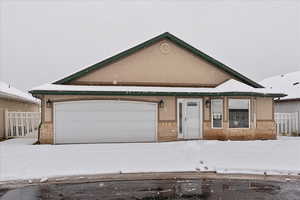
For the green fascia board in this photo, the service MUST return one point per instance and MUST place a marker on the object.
(129, 93)
(172, 38)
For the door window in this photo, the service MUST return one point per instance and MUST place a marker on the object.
(180, 117)
(192, 104)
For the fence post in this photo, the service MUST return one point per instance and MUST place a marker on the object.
(6, 123)
(297, 122)
(11, 126)
(22, 124)
(282, 124)
(27, 123)
(294, 122)
(17, 123)
(290, 123)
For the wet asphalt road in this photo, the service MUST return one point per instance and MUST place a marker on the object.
(158, 189)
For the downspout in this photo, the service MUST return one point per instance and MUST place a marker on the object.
(39, 127)
(39, 132)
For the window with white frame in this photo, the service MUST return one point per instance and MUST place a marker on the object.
(217, 113)
(239, 110)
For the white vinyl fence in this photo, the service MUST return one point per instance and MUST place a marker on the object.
(287, 123)
(22, 124)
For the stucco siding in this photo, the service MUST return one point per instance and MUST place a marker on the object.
(262, 128)
(264, 108)
(156, 66)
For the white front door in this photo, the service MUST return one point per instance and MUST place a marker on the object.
(189, 115)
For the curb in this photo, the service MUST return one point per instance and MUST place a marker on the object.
(144, 176)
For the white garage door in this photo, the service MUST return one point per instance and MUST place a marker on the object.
(104, 121)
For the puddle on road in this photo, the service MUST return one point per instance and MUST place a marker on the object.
(158, 190)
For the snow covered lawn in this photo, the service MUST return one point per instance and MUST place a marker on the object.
(20, 160)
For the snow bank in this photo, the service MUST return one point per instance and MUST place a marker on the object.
(25, 161)
(18, 141)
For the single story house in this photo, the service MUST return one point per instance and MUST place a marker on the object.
(160, 90)
(289, 84)
(14, 100)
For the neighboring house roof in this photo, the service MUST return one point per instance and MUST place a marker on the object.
(228, 88)
(287, 83)
(172, 38)
(10, 92)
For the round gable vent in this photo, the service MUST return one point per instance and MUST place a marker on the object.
(164, 48)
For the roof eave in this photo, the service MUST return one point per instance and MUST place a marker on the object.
(287, 99)
(17, 98)
(140, 93)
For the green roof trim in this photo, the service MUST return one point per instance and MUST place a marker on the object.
(130, 93)
(172, 38)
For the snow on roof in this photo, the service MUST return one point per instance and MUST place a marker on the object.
(12, 93)
(288, 83)
(237, 86)
(228, 86)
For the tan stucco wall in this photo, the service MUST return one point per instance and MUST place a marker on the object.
(12, 105)
(150, 66)
(262, 128)
(264, 108)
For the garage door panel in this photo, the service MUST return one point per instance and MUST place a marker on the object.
(105, 121)
(106, 116)
(115, 106)
(99, 126)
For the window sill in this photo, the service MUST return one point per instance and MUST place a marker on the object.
(240, 128)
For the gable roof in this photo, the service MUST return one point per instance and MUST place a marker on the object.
(287, 83)
(172, 38)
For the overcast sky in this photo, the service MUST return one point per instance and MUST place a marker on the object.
(44, 40)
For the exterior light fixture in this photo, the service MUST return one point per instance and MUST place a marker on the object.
(48, 103)
(207, 103)
(161, 104)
